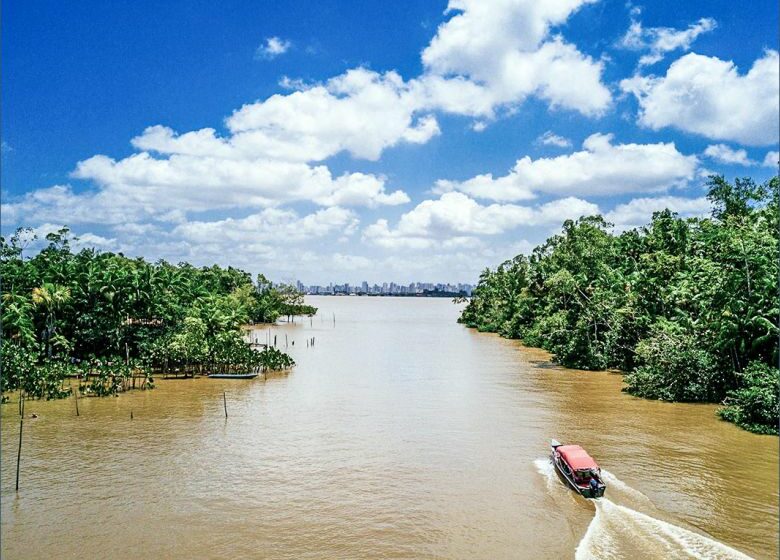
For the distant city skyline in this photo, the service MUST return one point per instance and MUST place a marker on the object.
(385, 288)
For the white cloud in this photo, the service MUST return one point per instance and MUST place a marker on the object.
(771, 159)
(271, 225)
(506, 46)
(639, 211)
(601, 168)
(361, 112)
(273, 47)
(191, 183)
(661, 40)
(725, 154)
(708, 96)
(549, 138)
(455, 218)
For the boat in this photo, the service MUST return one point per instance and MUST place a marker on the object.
(232, 375)
(578, 468)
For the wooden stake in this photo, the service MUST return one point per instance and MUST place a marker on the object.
(131, 414)
(224, 401)
(19, 453)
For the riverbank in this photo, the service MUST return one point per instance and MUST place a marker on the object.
(399, 434)
(685, 306)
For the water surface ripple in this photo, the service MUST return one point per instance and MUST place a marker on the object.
(400, 434)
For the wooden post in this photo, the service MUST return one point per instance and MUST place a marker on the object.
(19, 452)
(224, 401)
(285, 340)
(76, 394)
(274, 341)
(131, 414)
(334, 318)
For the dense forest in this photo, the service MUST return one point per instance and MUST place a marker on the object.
(106, 319)
(686, 308)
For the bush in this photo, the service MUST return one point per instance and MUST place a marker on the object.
(16, 363)
(755, 406)
(21, 370)
(674, 366)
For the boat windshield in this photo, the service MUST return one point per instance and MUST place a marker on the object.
(585, 475)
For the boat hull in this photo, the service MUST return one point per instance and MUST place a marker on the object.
(585, 491)
(232, 376)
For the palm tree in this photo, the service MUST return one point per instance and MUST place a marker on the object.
(17, 318)
(51, 298)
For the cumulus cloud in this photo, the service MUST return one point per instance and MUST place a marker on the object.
(708, 96)
(507, 47)
(661, 40)
(361, 112)
(272, 47)
(639, 211)
(601, 168)
(455, 218)
(549, 138)
(270, 225)
(771, 159)
(725, 154)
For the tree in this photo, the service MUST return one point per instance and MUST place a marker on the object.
(51, 298)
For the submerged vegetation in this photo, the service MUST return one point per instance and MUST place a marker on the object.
(687, 308)
(110, 321)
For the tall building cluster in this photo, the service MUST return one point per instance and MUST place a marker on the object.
(388, 289)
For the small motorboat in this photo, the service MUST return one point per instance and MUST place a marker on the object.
(578, 468)
(232, 375)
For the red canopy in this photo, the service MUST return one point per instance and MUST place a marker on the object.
(577, 457)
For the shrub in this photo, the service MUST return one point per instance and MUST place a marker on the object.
(754, 405)
(674, 366)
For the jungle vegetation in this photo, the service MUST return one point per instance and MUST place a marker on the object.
(107, 318)
(686, 308)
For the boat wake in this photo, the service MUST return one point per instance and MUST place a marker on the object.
(621, 532)
(618, 531)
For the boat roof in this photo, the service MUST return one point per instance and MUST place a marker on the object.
(577, 458)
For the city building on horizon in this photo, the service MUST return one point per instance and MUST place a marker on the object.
(389, 289)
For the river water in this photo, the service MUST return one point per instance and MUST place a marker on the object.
(399, 434)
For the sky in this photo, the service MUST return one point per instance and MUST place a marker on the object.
(380, 141)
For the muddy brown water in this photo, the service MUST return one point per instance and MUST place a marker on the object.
(400, 434)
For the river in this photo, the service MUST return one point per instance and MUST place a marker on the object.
(399, 434)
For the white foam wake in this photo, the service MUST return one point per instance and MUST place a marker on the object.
(619, 489)
(617, 531)
(620, 532)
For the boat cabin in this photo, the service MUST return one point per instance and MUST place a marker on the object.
(581, 465)
(579, 468)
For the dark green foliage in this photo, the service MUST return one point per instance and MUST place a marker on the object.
(104, 311)
(680, 305)
(106, 377)
(275, 360)
(674, 366)
(755, 405)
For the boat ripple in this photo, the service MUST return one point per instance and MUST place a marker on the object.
(617, 531)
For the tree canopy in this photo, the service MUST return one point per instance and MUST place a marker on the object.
(686, 308)
(64, 310)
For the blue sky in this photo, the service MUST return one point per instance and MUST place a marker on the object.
(390, 141)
